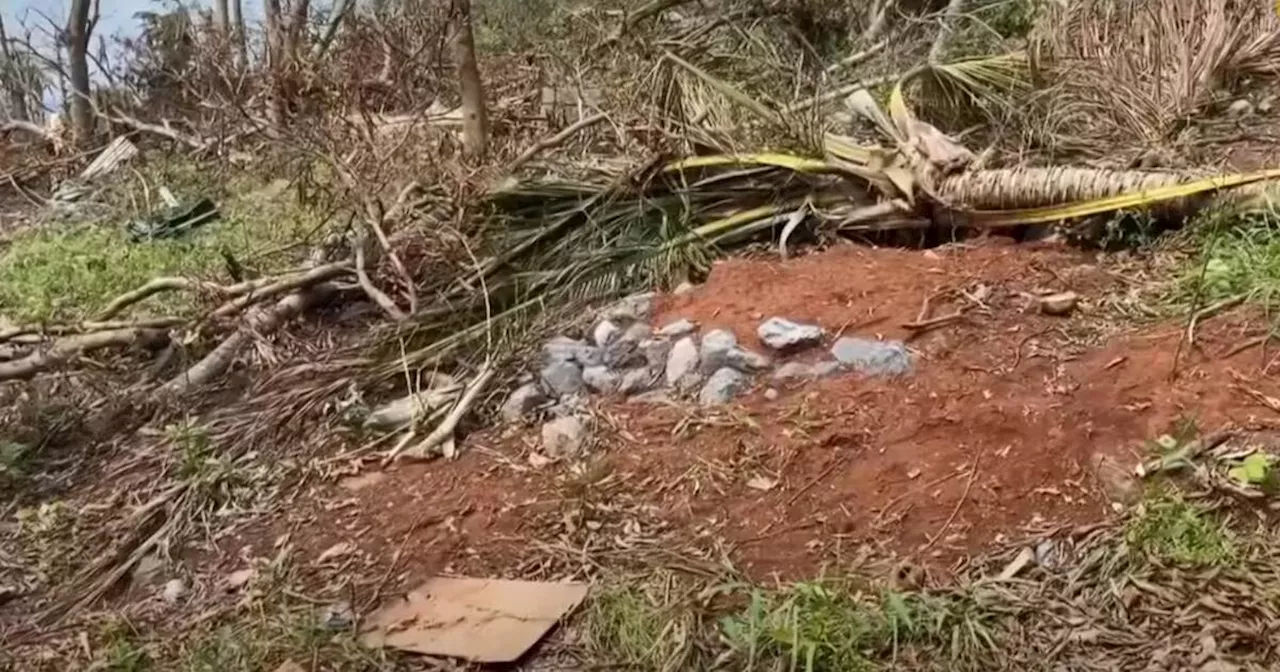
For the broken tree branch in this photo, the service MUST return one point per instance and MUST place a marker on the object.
(65, 349)
(555, 140)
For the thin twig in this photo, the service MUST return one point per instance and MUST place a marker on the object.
(554, 140)
(973, 475)
(450, 422)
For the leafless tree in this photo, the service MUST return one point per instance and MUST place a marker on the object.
(475, 117)
(77, 39)
(9, 71)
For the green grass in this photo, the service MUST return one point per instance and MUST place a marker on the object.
(1169, 529)
(1239, 254)
(61, 272)
(820, 626)
(267, 639)
(643, 626)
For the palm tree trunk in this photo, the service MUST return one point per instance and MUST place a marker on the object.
(78, 65)
(475, 117)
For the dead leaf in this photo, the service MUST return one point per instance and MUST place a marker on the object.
(336, 551)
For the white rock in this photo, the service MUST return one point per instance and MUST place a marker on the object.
(780, 333)
(801, 371)
(875, 358)
(680, 327)
(634, 308)
(564, 437)
(174, 590)
(605, 332)
(601, 379)
(716, 346)
(722, 387)
(655, 351)
(562, 378)
(771, 394)
(684, 288)
(682, 360)
(565, 349)
(636, 381)
(523, 401)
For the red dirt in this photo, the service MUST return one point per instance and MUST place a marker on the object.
(1020, 400)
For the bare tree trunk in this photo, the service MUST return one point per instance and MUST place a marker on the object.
(78, 29)
(475, 118)
(222, 18)
(275, 61)
(13, 82)
(340, 10)
(297, 29)
(237, 35)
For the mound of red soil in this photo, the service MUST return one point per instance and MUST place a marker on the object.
(1003, 423)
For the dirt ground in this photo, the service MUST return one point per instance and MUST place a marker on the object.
(1011, 421)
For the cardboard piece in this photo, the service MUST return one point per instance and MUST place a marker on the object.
(479, 620)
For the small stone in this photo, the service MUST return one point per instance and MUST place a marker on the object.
(684, 287)
(1240, 108)
(682, 360)
(174, 590)
(523, 401)
(800, 371)
(337, 616)
(825, 369)
(601, 379)
(784, 335)
(771, 394)
(655, 351)
(722, 387)
(873, 358)
(604, 333)
(565, 349)
(1059, 304)
(564, 437)
(680, 327)
(636, 381)
(1266, 105)
(634, 308)
(716, 345)
(237, 579)
(623, 353)
(562, 378)
(636, 332)
(746, 361)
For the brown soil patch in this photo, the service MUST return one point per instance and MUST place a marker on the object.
(1001, 426)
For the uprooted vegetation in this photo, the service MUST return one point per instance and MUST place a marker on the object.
(188, 398)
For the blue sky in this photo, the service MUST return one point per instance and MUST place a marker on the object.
(117, 15)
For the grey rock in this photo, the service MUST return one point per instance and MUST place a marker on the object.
(523, 401)
(636, 381)
(565, 437)
(636, 332)
(624, 352)
(565, 349)
(605, 332)
(782, 334)
(874, 358)
(722, 387)
(634, 308)
(174, 590)
(747, 361)
(801, 371)
(715, 349)
(680, 327)
(655, 351)
(562, 378)
(572, 405)
(601, 379)
(682, 360)
(826, 369)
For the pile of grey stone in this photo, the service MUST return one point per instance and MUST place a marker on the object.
(625, 355)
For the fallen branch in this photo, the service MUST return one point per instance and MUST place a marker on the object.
(40, 332)
(446, 427)
(282, 285)
(366, 283)
(68, 348)
(554, 140)
(260, 320)
(858, 56)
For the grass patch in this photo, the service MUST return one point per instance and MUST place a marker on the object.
(817, 626)
(1168, 528)
(269, 638)
(643, 626)
(1239, 254)
(66, 272)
